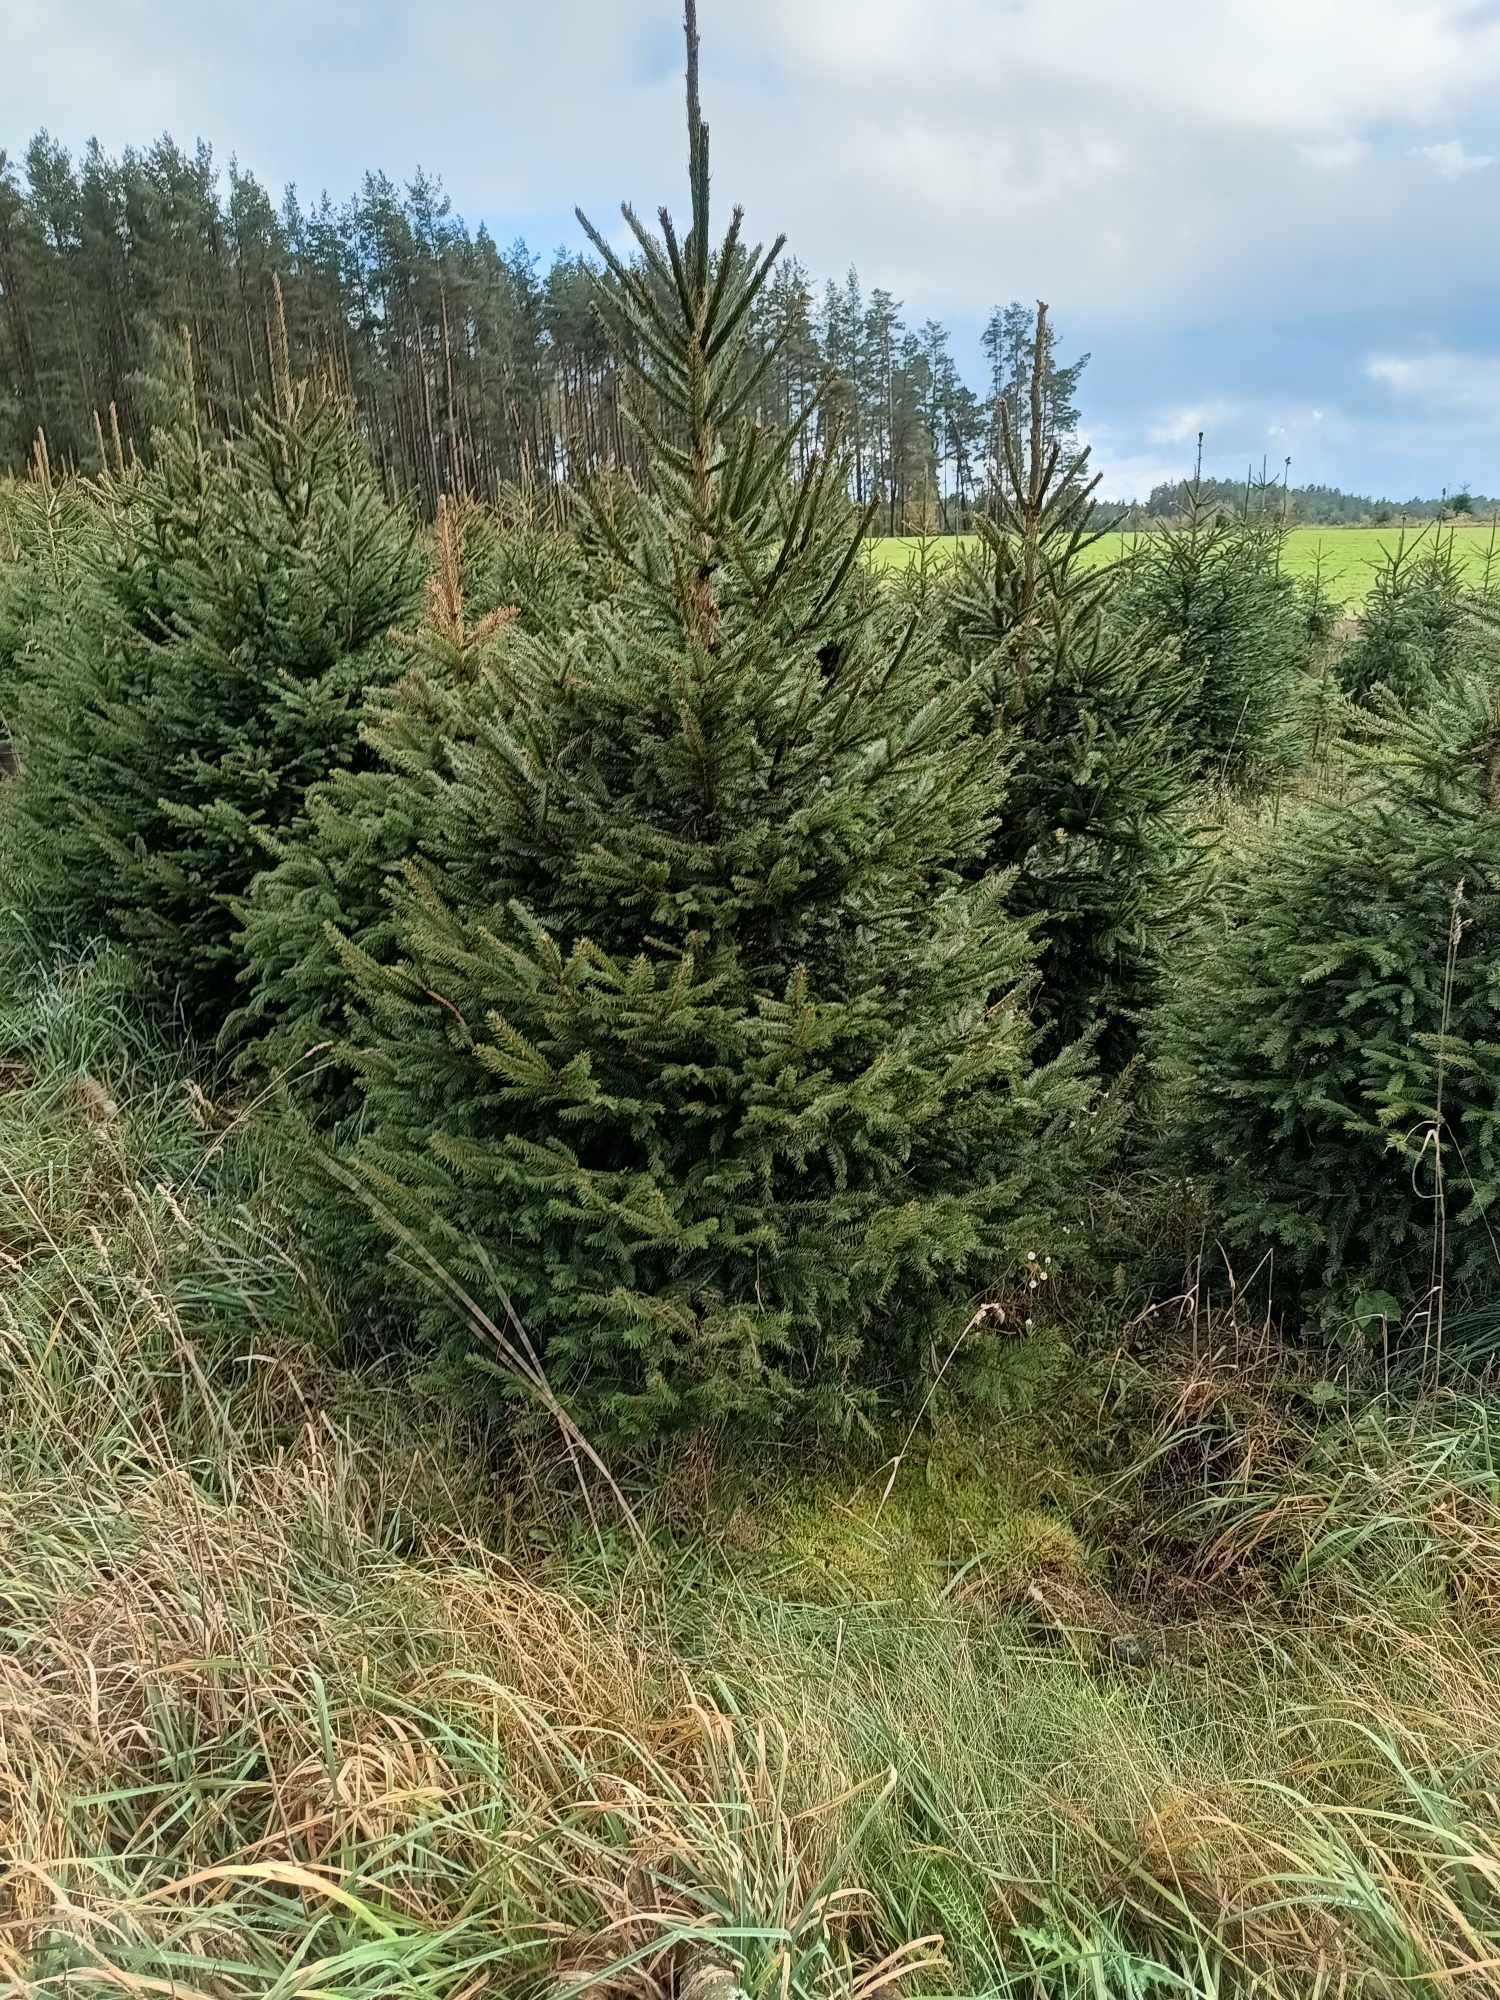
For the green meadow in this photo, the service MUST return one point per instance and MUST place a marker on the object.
(1348, 556)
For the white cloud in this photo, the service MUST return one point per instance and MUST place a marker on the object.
(1397, 372)
(1442, 382)
(1181, 426)
(1282, 65)
(1451, 159)
(1243, 436)
(1335, 155)
(1127, 474)
(1119, 166)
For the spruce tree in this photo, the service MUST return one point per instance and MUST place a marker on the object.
(1087, 708)
(46, 525)
(1214, 586)
(235, 607)
(724, 1082)
(494, 569)
(1335, 1035)
(1415, 629)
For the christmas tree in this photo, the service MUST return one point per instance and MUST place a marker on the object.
(1415, 631)
(1334, 1036)
(47, 523)
(233, 610)
(725, 1082)
(495, 569)
(1214, 586)
(1088, 710)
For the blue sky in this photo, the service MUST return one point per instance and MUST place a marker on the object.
(1270, 218)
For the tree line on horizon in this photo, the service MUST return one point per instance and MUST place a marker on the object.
(472, 367)
(1313, 505)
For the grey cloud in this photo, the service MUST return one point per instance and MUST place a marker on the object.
(1083, 156)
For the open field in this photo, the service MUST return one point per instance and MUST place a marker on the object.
(1348, 555)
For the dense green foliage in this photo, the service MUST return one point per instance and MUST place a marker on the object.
(1335, 1035)
(232, 610)
(695, 941)
(1089, 713)
(1215, 588)
(1416, 624)
(328, 876)
(684, 949)
(701, 1049)
(46, 528)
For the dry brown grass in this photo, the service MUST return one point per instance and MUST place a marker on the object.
(279, 1717)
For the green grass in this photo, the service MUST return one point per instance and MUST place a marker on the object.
(1348, 554)
(308, 1688)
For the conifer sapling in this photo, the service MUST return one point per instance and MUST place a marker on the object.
(721, 1076)
(233, 609)
(1087, 709)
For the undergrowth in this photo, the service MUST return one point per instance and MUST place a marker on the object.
(1185, 1684)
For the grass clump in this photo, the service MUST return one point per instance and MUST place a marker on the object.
(269, 1701)
(918, 1542)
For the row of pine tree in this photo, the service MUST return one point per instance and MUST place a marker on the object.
(472, 367)
(708, 969)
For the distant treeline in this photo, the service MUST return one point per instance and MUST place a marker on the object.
(1316, 506)
(471, 366)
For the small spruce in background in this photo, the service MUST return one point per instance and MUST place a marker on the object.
(329, 876)
(1331, 1041)
(1214, 585)
(1088, 709)
(1416, 628)
(233, 607)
